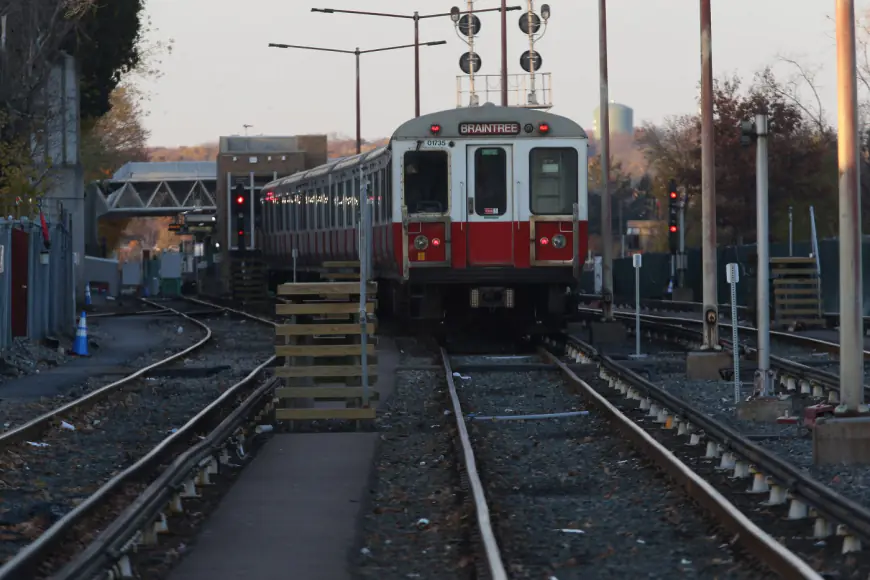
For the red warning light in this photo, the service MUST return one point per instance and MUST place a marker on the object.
(673, 229)
(544, 128)
(673, 195)
(240, 200)
(436, 242)
(435, 128)
(544, 241)
(241, 233)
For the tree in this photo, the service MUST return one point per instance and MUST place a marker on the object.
(801, 172)
(102, 36)
(114, 139)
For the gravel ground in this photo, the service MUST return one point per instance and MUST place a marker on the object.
(716, 399)
(14, 412)
(571, 500)
(415, 523)
(41, 483)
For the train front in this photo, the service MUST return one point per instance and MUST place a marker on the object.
(490, 209)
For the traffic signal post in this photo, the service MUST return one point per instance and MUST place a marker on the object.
(677, 242)
(239, 199)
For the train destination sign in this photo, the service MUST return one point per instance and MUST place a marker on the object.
(489, 128)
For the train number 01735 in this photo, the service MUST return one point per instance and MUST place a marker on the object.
(436, 143)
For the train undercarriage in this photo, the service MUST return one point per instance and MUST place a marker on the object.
(517, 308)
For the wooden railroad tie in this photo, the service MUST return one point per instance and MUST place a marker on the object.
(322, 352)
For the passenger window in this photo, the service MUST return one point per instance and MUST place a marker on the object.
(490, 181)
(553, 180)
(426, 181)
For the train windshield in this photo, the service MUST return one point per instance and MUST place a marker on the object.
(426, 181)
(553, 180)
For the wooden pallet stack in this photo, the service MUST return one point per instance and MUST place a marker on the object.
(322, 354)
(797, 292)
(249, 282)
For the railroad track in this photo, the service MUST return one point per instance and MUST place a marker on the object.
(824, 528)
(792, 376)
(559, 490)
(172, 436)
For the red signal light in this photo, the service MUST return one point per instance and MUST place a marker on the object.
(436, 242)
(673, 195)
(544, 241)
(240, 200)
(544, 128)
(673, 229)
(435, 128)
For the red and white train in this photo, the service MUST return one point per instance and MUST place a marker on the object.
(484, 205)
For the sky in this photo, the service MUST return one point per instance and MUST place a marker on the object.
(222, 75)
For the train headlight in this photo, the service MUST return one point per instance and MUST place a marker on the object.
(421, 243)
(559, 241)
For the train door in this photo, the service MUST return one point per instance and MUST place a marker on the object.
(490, 205)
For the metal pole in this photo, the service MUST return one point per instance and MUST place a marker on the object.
(763, 267)
(365, 225)
(681, 259)
(504, 52)
(733, 278)
(358, 107)
(790, 231)
(851, 298)
(708, 186)
(416, 64)
(637, 310)
(604, 137)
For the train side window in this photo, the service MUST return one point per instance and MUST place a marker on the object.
(388, 193)
(553, 180)
(490, 181)
(375, 192)
(426, 181)
(356, 205)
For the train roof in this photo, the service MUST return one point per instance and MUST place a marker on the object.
(334, 165)
(450, 119)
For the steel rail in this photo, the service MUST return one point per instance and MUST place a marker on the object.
(484, 523)
(102, 553)
(27, 561)
(832, 318)
(776, 556)
(37, 425)
(826, 379)
(834, 506)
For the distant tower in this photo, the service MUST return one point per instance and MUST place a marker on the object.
(621, 119)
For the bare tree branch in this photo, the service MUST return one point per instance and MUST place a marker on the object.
(802, 77)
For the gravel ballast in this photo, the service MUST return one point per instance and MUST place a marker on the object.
(570, 499)
(15, 411)
(44, 479)
(716, 399)
(415, 524)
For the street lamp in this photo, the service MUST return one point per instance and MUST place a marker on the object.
(357, 52)
(416, 17)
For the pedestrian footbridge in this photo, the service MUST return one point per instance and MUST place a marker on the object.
(149, 189)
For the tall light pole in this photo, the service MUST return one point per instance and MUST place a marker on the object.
(604, 138)
(416, 17)
(851, 290)
(357, 52)
(708, 188)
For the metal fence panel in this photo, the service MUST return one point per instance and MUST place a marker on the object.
(656, 272)
(5, 284)
(50, 283)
